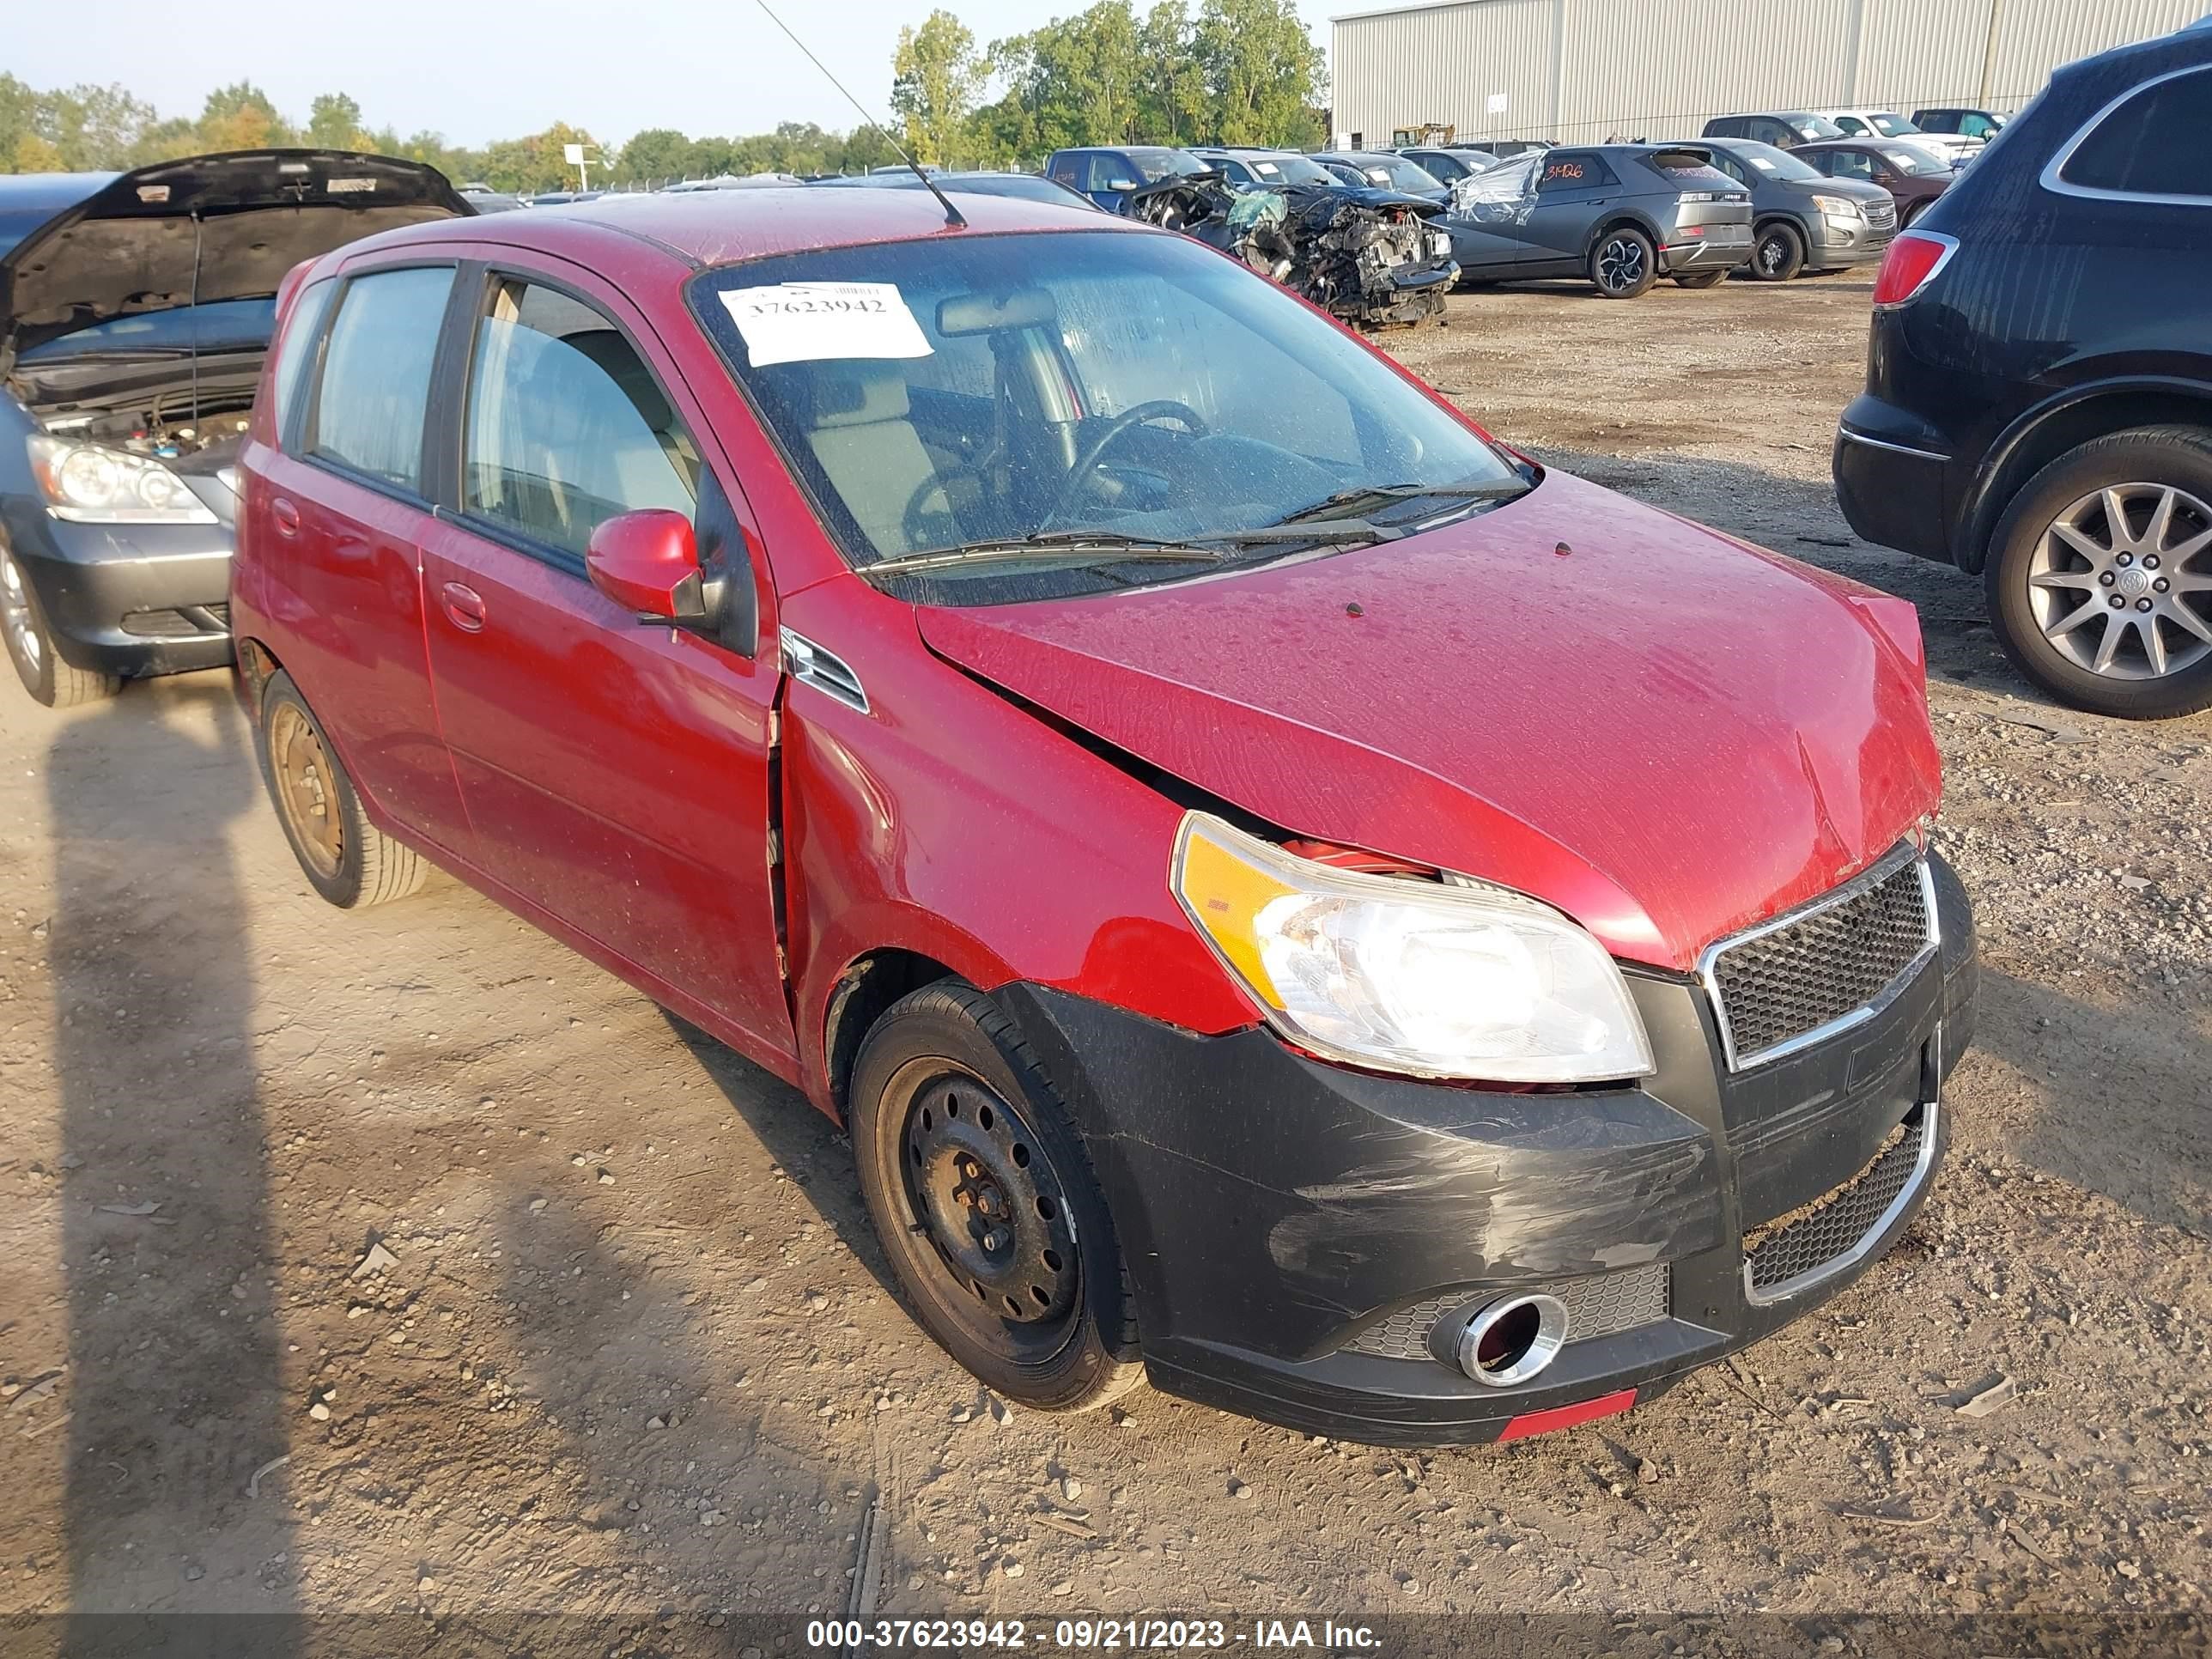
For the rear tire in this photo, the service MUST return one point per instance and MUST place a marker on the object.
(2052, 604)
(30, 646)
(345, 857)
(1777, 255)
(1699, 278)
(1623, 265)
(984, 1200)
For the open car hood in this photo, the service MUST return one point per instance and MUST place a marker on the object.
(253, 215)
(1666, 734)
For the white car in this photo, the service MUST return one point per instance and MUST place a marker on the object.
(1888, 123)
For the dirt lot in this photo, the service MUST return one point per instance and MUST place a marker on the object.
(632, 1358)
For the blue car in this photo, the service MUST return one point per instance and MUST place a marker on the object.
(1111, 177)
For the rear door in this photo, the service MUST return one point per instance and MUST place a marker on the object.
(1573, 188)
(348, 511)
(616, 775)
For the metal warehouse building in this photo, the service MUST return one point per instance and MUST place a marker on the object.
(1581, 71)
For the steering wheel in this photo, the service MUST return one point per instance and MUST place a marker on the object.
(1137, 414)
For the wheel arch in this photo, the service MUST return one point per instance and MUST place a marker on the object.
(863, 992)
(1625, 219)
(2049, 430)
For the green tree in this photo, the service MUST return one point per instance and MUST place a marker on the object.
(241, 117)
(334, 122)
(937, 78)
(655, 157)
(1171, 93)
(1263, 73)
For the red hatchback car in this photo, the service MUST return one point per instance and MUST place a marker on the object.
(1289, 896)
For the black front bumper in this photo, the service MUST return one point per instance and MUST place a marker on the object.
(1272, 1208)
(129, 600)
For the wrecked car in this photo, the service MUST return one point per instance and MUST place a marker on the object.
(1621, 216)
(1369, 256)
(1290, 899)
(135, 311)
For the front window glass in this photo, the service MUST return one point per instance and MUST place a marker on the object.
(567, 426)
(1291, 170)
(302, 334)
(995, 388)
(1890, 126)
(1154, 165)
(1441, 166)
(1849, 164)
(376, 373)
(1399, 173)
(1774, 163)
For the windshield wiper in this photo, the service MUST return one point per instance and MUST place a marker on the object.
(1498, 490)
(1079, 546)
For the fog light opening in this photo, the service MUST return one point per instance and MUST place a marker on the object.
(1512, 1340)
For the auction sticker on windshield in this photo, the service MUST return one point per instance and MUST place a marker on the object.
(810, 322)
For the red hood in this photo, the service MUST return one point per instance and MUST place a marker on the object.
(1666, 734)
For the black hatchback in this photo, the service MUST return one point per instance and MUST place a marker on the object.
(2039, 401)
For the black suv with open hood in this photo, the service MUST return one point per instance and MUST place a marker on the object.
(135, 313)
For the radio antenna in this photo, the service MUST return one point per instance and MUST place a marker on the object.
(952, 218)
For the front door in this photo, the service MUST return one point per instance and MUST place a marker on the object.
(616, 775)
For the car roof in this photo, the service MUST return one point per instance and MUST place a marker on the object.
(22, 192)
(720, 227)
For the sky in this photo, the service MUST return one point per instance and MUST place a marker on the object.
(476, 72)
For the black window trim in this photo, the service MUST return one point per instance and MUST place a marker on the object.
(451, 460)
(308, 416)
(2054, 180)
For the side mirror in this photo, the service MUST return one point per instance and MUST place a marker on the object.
(1121, 183)
(648, 561)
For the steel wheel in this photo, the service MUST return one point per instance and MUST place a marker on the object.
(2120, 583)
(20, 627)
(305, 792)
(1620, 264)
(983, 1192)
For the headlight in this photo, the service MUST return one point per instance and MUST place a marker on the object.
(92, 484)
(1439, 244)
(1404, 975)
(1837, 207)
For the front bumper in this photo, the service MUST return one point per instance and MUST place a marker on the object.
(130, 599)
(1273, 1209)
(1840, 244)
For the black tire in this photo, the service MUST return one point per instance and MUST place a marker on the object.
(1910, 216)
(958, 1131)
(344, 857)
(1699, 278)
(2158, 458)
(30, 646)
(1778, 254)
(1623, 264)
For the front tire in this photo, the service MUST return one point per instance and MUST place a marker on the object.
(345, 857)
(1699, 278)
(30, 646)
(1623, 264)
(2100, 575)
(1778, 255)
(984, 1199)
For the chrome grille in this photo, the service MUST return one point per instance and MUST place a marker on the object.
(1823, 968)
(1797, 1251)
(1597, 1306)
(1881, 214)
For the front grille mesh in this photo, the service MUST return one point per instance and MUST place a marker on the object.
(1598, 1306)
(1810, 1238)
(1780, 984)
(1883, 216)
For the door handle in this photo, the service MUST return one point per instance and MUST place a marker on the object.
(284, 516)
(464, 607)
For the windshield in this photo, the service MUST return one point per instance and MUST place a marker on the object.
(1890, 126)
(1288, 170)
(1911, 158)
(1774, 163)
(938, 395)
(220, 324)
(1809, 127)
(1158, 164)
(1398, 174)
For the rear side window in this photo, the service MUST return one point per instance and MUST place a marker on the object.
(1576, 171)
(376, 373)
(567, 426)
(2158, 142)
(303, 338)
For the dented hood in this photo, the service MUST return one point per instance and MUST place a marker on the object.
(1666, 734)
(243, 219)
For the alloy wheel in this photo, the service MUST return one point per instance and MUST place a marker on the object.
(1620, 264)
(983, 1194)
(1772, 254)
(15, 618)
(306, 789)
(2120, 583)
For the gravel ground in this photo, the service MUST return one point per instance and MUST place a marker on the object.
(630, 1357)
